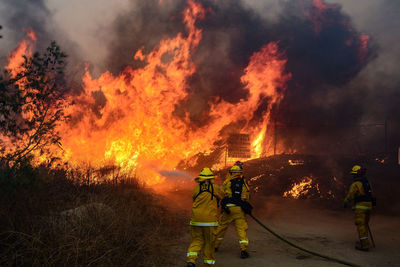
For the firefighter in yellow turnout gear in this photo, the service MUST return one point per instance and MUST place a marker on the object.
(204, 218)
(360, 193)
(234, 205)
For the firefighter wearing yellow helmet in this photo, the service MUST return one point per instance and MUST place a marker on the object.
(204, 218)
(360, 193)
(234, 206)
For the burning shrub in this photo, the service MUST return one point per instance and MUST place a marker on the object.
(299, 189)
(32, 101)
(299, 177)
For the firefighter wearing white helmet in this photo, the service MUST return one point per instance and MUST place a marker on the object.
(234, 206)
(204, 218)
(360, 193)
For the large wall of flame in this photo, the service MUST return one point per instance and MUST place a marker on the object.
(325, 53)
(137, 125)
(334, 73)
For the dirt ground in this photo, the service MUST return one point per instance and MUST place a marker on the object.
(328, 232)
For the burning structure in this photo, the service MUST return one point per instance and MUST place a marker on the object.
(181, 85)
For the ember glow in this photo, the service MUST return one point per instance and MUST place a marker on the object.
(381, 160)
(364, 39)
(295, 162)
(299, 189)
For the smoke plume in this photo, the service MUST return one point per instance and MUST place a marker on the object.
(344, 69)
(324, 49)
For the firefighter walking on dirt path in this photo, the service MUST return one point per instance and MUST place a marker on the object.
(234, 206)
(360, 192)
(204, 218)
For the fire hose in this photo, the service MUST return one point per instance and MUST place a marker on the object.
(303, 249)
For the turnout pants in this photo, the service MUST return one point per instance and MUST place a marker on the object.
(238, 217)
(361, 221)
(202, 239)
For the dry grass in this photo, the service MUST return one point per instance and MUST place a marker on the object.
(120, 225)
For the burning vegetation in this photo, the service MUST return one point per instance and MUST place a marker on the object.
(208, 83)
(299, 189)
(143, 116)
(177, 102)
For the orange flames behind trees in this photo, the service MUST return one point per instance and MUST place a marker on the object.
(24, 48)
(136, 128)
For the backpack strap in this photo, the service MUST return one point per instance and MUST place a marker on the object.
(207, 190)
(367, 197)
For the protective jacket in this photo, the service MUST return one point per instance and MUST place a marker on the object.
(360, 193)
(236, 192)
(204, 218)
(205, 204)
(227, 187)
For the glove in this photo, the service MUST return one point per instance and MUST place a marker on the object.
(224, 207)
(246, 207)
(345, 205)
(373, 201)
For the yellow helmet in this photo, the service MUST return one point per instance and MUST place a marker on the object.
(356, 169)
(236, 169)
(205, 174)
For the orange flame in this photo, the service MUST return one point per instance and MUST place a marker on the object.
(263, 77)
(137, 123)
(15, 60)
(295, 162)
(299, 189)
(24, 48)
(136, 128)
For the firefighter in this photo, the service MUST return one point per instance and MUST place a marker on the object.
(234, 206)
(360, 193)
(204, 218)
(239, 163)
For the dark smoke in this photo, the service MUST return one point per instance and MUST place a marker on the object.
(336, 87)
(381, 78)
(324, 55)
(346, 102)
(143, 26)
(19, 16)
(231, 34)
(324, 50)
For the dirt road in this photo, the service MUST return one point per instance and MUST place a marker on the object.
(328, 232)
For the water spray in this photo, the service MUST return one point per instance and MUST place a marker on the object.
(167, 173)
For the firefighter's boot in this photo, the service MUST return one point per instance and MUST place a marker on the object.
(359, 246)
(244, 254)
